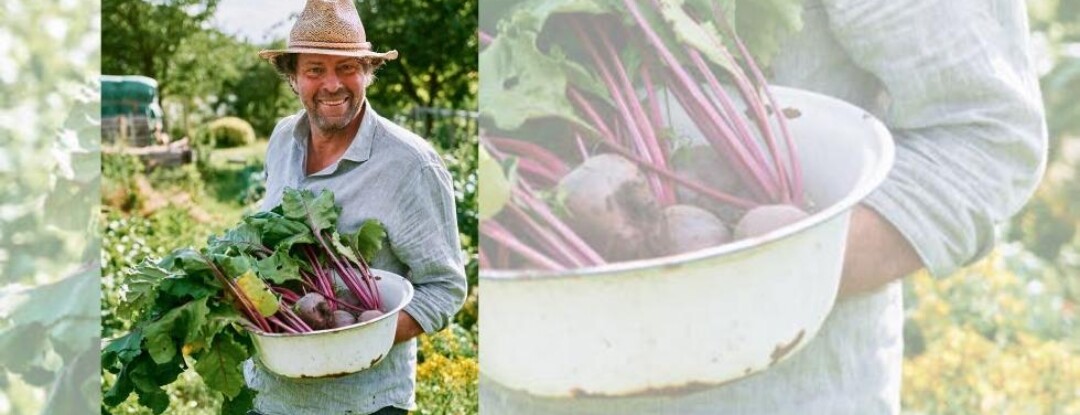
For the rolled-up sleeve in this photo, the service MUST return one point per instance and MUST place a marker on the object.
(426, 240)
(965, 112)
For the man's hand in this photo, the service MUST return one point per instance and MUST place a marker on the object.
(407, 328)
(877, 253)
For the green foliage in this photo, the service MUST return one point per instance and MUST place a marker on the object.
(432, 71)
(1048, 225)
(1000, 337)
(447, 386)
(444, 386)
(535, 55)
(764, 25)
(181, 307)
(256, 93)
(128, 241)
(452, 343)
(142, 36)
(118, 188)
(234, 184)
(448, 373)
(229, 132)
(469, 315)
(207, 74)
(49, 184)
(318, 212)
(188, 395)
(202, 70)
(367, 240)
(184, 178)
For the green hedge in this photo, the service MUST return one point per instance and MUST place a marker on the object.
(228, 132)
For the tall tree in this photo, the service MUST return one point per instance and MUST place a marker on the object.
(257, 94)
(438, 50)
(141, 36)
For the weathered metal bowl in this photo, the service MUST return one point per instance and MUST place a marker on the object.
(684, 322)
(340, 351)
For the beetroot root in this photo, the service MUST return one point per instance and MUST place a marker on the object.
(690, 228)
(314, 310)
(766, 218)
(342, 318)
(611, 206)
(369, 315)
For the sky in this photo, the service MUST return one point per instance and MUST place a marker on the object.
(257, 21)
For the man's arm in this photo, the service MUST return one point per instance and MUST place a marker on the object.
(965, 113)
(877, 253)
(426, 241)
(407, 328)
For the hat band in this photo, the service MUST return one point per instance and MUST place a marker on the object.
(330, 45)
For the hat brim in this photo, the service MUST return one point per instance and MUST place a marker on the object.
(271, 55)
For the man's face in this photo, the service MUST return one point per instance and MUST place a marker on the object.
(331, 88)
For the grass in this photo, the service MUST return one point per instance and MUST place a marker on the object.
(229, 177)
(240, 155)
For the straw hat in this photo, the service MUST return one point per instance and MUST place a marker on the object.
(329, 27)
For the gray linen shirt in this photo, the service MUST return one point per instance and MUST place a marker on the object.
(392, 175)
(955, 84)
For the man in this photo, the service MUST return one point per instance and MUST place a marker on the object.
(377, 170)
(954, 82)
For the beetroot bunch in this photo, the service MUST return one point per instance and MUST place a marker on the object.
(592, 165)
(287, 270)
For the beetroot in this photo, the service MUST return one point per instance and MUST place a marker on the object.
(766, 218)
(342, 318)
(690, 228)
(314, 310)
(609, 201)
(369, 315)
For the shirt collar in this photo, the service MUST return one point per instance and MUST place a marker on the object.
(360, 148)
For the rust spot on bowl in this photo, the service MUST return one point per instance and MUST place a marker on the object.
(792, 113)
(327, 376)
(782, 349)
(375, 360)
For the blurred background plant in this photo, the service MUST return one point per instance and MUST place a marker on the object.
(1001, 336)
(215, 90)
(49, 187)
(998, 337)
(228, 132)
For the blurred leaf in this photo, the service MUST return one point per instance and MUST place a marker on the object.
(220, 367)
(279, 267)
(316, 211)
(367, 240)
(241, 404)
(182, 324)
(123, 349)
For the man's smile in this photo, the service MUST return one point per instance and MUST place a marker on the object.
(334, 103)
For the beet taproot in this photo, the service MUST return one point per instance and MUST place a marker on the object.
(690, 228)
(342, 318)
(766, 218)
(369, 315)
(609, 203)
(314, 310)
